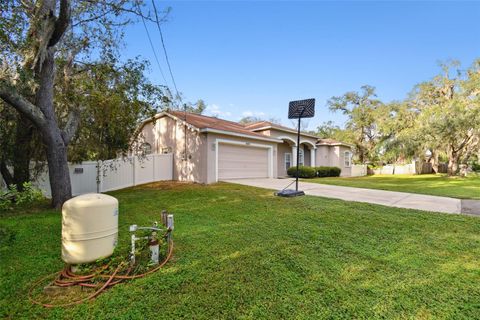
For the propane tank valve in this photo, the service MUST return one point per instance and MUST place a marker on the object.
(152, 239)
(154, 248)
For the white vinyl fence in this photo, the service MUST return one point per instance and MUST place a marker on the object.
(396, 169)
(102, 176)
(358, 170)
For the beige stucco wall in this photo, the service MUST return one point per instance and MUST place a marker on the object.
(306, 155)
(200, 163)
(287, 148)
(346, 171)
(282, 148)
(333, 156)
(323, 156)
(168, 133)
(306, 143)
(265, 132)
(210, 148)
(280, 134)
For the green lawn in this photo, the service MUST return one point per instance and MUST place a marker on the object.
(433, 184)
(240, 252)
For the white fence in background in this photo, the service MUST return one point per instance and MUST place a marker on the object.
(103, 176)
(358, 170)
(396, 169)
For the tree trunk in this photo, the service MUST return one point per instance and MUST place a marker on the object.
(453, 158)
(361, 153)
(45, 32)
(22, 153)
(58, 170)
(434, 160)
(56, 148)
(6, 175)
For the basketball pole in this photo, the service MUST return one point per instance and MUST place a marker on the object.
(298, 148)
(297, 110)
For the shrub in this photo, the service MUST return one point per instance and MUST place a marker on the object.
(335, 171)
(29, 194)
(328, 171)
(12, 196)
(303, 172)
(475, 166)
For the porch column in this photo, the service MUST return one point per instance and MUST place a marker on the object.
(294, 156)
(312, 157)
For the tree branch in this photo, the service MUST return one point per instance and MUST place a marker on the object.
(22, 105)
(61, 22)
(115, 7)
(28, 6)
(464, 143)
(93, 18)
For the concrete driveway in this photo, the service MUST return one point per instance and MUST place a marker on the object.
(386, 198)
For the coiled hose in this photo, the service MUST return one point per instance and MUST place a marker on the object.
(65, 278)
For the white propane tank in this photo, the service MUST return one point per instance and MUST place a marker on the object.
(89, 228)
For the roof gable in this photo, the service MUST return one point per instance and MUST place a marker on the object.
(206, 122)
(332, 142)
(264, 125)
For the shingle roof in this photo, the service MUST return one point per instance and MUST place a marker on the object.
(258, 124)
(330, 142)
(203, 122)
(263, 124)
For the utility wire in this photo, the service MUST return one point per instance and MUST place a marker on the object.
(151, 44)
(173, 80)
(164, 48)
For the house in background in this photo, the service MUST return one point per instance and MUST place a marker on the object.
(207, 149)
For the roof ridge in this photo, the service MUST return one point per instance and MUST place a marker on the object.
(205, 116)
(201, 121)
(256, 123)
(255, 126)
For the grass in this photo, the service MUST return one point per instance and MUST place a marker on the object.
(432, 184)
(241, 253)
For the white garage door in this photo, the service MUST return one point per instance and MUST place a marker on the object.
(236, 162)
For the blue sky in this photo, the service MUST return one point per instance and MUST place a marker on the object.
(252, 58)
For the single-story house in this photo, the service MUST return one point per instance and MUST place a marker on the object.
(207, 149)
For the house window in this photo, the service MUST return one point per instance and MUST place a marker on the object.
(347, 159)
(301, 158)
(146, 148)
(288, 160)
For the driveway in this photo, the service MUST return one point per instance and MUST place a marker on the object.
(386, 198)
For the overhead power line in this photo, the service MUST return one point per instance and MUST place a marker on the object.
(151, 44)
(165, 50)
(185, 157)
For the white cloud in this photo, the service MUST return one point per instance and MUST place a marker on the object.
(259, 114)
(215, 110)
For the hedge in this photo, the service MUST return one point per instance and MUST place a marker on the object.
(303, 172)
(328, 171)
(312, 172)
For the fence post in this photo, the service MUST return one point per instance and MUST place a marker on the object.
(99, 176)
